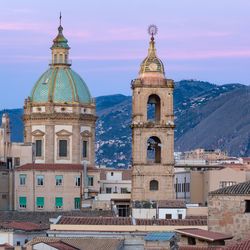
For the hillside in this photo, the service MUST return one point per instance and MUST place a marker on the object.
(206, 115)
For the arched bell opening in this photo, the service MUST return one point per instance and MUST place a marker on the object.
(154, 108)
(154, 150)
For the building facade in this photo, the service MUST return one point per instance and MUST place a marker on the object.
(59, 121)
(152, 131)
(229, 210)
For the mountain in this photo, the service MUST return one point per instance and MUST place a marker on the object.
(206, 115)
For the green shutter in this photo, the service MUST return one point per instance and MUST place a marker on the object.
(77, 203)
(22, 201)
(40, 201)
(59, 201)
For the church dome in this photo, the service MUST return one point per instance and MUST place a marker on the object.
(60, 85)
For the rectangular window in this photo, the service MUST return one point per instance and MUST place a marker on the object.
(63, 147)
(90, 181)
(59, 180)
(40, 202)
(247, 210)
(180, 216)
(84, 149)
(124, 190)
(22, 202)
(17, 161)
(168, 216)
(59, 202)
(77, 202)
(38, 148)
(108, 190)
(40, 180)
(78, 181)
(22, 179)
(4, 196)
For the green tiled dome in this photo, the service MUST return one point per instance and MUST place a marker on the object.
(60, 85)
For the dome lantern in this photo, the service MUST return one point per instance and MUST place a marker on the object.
(60, 49)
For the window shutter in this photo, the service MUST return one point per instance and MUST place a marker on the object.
(40, 201)
(59, 201)
(23, 201)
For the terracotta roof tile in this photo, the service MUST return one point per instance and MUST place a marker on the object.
(71, 220)
(24, 226)
(203, 234)
(238, 189)
(51, 167)
(242, 245)
(85, 243)
(60, 245)
(43, 217)
(171, 222)
(172, 204)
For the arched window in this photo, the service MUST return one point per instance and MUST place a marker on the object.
(153, 185)
(61, 58)
(154, 108)
(154, 150)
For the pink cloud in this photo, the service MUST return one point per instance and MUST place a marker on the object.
(16, 26)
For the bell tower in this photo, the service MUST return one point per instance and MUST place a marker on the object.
(152, 130)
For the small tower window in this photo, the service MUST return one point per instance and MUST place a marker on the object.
(153, 185)
(154, 108)
(61, 58)
(154, 150)
(55, 58)
(84, 149)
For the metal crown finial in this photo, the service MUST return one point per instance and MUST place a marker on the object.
(152, 30)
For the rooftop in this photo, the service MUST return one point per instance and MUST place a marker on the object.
(80, 243)
(23, 226)
(52, 167)
(203, 234)
(70, 220)
(238, 189)
(73, 220)
(60, 245)
(43, 217)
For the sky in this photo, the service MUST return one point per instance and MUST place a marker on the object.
(206, 40)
